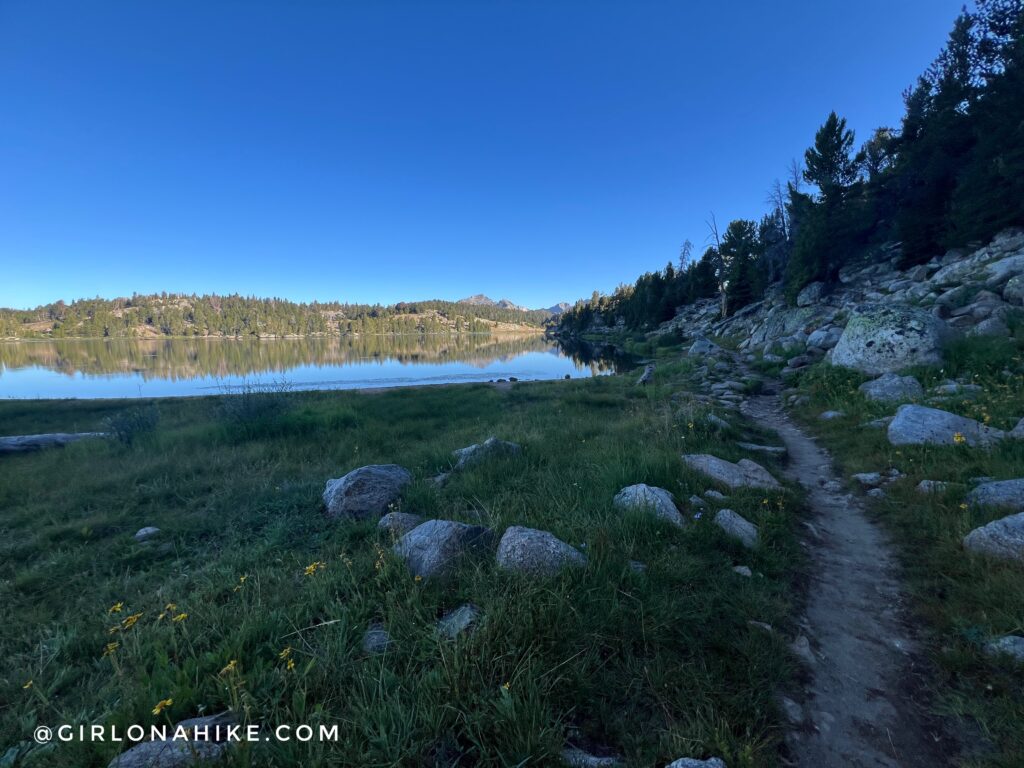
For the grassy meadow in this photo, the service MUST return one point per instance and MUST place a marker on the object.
(251, 599)
(965, 600)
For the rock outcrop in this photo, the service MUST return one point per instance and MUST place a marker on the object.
(885, 338)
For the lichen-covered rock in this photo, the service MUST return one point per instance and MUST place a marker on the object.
(1001, 539)
(433, 549)
(880, 339)
(459, 621)
(919, 425)
(489, 448)
(366, 492)
(892, 388)
(1004, 494)
(743, 474)
(648, 497)
(398, 523)
(538, 553)
(738, 527)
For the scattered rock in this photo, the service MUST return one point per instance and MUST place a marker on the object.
(459, 621)
(868, 479)
(689, 762)
(647, 376)
(376, 640)
(811, 294)
(647, 497)
(831, 415)
(365, 492)
(932, 486)
(881, 423)
(920, 425)
(433, 549)
(736, 526)
(1001, 539)
(637, 567)
(577, 758)
(713, 494)
(1017, 433)
(539, 553)
(876, 493)
(1008, 645)
(474, 454)
(892, 388)
(697, 501)
(398, 523)
(992, 326)
(718, 423)
(703, 346)
(1013, 291)
(743, 474)
(771, 450)
(792, 710)
(880, 339)
(147, 533)
(801, 648)
(742, 570)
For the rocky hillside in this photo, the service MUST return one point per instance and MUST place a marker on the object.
(877, 318)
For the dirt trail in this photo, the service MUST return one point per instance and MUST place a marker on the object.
(860, 709)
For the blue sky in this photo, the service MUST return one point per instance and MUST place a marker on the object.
(387, 151)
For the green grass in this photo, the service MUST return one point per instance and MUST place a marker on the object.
(965, 600)
(648, 666)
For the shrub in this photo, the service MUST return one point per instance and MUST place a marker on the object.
(127, 425)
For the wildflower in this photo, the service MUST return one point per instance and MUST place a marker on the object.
(26, 686)
(963, 506)
(130, 621)
(418, 578)
(231, 666)
(290, 666)
(179, 618)
(285, 653)
(113, 629)
(690, 426)
(504, 686)
(315, 566)
(698, 515)
(110, 649)
(170, 607)
(115, 608)
(764, 502)
(958, 438)
(162, 705)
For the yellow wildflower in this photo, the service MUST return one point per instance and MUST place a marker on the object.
(115, 608)
(504, 686)
(315, 566)
(958, 438)
(110, 649)
(171, 607)
(162, 705)
(291, 664)
(231, 666)
(285, 653)
(130, 621)
(27, 685)
(418, 578)
(180, 617)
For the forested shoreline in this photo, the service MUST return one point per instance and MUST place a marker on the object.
(950, 176)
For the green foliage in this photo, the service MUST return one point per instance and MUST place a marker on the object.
(128, 425)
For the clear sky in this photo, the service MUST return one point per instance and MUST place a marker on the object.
(385, 151)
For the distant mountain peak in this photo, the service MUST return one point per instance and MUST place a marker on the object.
(478, 300)
(481, 300)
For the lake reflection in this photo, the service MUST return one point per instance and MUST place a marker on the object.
(90, 368)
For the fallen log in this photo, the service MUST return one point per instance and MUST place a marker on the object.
(22, 443)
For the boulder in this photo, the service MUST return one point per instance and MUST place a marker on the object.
(743, 474)
(880, 339)
(647, 376)
(376, 639)
(831, 415)
(868, 479)
(736, 526)
(1013, 291)
(647, 497)
(1007, 645)
(743, 570)
(398, 523)
(433, 549)
(181, 753)
(825, 338)
(538, 553)
(1017, 433)
(690, 762)
(703, 346)
(1004, 494)
(459, 621)
(1001, 539)
(892, 388)
(992, 326)
(366, 492)
(919, 425)
(144, 534)
(932, 486)
(474, 454)
(577, 758)
(811, 294)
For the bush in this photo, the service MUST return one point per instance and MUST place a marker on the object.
(253, 408)
(126, 426)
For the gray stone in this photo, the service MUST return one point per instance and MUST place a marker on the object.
(433, 549)
(459, 621)
(736, 526)
(22, 443)
(868, 479)
(824, 338)
(366, 492)
(792, 710)
(711, 493)
(1013, 291)
(718, 423)
(690, 762)
(538, 553)
(992, 326)
(956, 389)
(1001, 539)
(398, 523)
(811, 294)
(743, 474)
(743, 570)
(144, 534)
(892, 388)
(491, 447)
(577, 758)
(703, 346)
(1007, 645)
(932, 486)
(647, 376)
(1017, 433)
(1003, 494)
(801, 648)
(637, 567)
(376, 640)
(181, 753)
(831, 415)
(697, 501)
(880, 339)
(647, 497)
(919, 425)
(876, 493)
(881, 423)
(771, 450)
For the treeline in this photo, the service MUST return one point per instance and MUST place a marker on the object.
(239, 316)
(951, 175)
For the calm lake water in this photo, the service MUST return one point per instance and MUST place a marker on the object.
(94, 368)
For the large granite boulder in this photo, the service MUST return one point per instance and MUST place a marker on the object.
(811, 294)
(647, 497)
(879, 339)
(892, 388)
(919, 425)
(489, 448)
(538, 553)
(743, 474)
(1005, 494)
(1001, 539)
(737, 527)
(366, 492)
(181, 753)
(434, 548)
